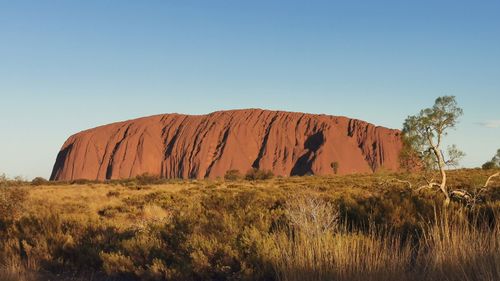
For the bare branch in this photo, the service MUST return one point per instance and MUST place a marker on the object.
(490, 178)
(428, 186)
(407, 182)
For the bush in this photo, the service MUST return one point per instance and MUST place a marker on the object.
(256, 174)
(116, 264)
(83, 182)
(494, 163)
(39, 181)
(233, 175)
(489, 165)
(113, 193)
(148, 179)
(17, 181)
(11, 202)
(335, 167)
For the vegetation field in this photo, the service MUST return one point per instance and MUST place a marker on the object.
(359, 227)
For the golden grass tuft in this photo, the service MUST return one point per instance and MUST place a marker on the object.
(316, 248)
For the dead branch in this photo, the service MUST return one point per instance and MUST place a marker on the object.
(407, 182)
(429, 185)
(490, 178)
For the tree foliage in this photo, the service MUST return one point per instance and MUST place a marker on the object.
(233, 175)
(425, 131)
(494, 163)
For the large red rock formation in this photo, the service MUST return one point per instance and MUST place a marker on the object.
(184, 146)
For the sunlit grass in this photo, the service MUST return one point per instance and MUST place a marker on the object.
(360, 227)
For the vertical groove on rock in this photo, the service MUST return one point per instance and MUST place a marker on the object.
(109, 169)
(218, 152)
(256, 163)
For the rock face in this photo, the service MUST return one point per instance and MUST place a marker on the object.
(199, 146)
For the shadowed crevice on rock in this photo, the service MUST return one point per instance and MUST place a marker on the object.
(218, 152)
(303, 166)
(60, 164)
(262, 151)
(109, 169)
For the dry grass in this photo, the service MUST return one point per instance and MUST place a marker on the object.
(462, 249)
(360, 227)
(316, 248)
(90, 202)
(451, 248)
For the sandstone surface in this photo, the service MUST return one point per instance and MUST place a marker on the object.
(200, 146)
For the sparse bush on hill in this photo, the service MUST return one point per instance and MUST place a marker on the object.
(16, 181)
(140, 181)
(83, 181)
(39, 181)
(490, 165)
(494, 163)
(256, 174)
(4, 181)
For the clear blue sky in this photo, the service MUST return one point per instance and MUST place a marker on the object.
(66, 66)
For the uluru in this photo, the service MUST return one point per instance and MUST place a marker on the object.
(207, 146)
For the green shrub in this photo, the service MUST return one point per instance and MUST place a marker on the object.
(489, 165)
(233, 175)
(83, 182)
(148, 179)
(256, 174)
(39, 181)
(116, 264)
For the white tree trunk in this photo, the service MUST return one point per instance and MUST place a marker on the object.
(442, 165)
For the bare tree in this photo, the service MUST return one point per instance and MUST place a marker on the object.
(311, 214)
(424, 134)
